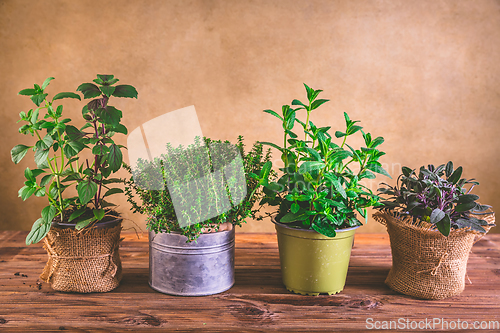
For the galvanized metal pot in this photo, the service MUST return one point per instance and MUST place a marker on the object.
(200, 268)
(311, 263)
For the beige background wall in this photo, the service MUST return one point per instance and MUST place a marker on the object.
(423, 74)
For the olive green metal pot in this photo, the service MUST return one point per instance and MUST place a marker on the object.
(311, 263)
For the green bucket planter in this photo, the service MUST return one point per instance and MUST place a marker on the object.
(311, 263)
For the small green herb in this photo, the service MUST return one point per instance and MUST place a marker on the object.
(317, 188)
(156, 182)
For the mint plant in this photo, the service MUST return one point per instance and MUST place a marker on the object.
(58, 152)
(318, 188)
(154, 185)
(437, 195)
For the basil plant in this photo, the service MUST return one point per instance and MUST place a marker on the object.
(320, 185)
(59, 151)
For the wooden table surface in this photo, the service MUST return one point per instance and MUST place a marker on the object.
(257, 302)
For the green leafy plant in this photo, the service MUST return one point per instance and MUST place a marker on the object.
(59, 146)
(436, 195)
(317, 188)
(157, 182)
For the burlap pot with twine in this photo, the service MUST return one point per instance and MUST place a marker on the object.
(426, 264)
(84, 261)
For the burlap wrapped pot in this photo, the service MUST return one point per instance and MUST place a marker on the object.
(426, 264)
(83, 261)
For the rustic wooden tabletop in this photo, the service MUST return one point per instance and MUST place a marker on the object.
(257, 302)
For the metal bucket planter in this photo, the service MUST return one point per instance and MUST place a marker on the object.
(200, 268)
(311, 263)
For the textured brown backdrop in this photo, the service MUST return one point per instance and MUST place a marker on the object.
(423, 74)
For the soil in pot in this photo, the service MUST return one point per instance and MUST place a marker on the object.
(311, 263)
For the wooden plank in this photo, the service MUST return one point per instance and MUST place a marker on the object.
(257, 302)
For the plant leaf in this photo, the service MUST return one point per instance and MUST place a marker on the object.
(27, 92)
(48, 213)
(466, 206)
(66, 95)
(86, 191)
(113, 191)
(89, 90)
(125, 90)
(108, 90)
(378, 169)
(437, 215)
(455, 177)
(309, 166)
(46, 82)
(77, 213)
(291, 217)
(98, 214)
(39, 230)
(114, 158)
(444, 225)
(18, 152)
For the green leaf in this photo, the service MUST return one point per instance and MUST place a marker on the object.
(86, 191)
(291, 217)
(311, 166)
(46, 82)
(124, 90)
(295, 208)
(324, 228)
(100, 150)
(98, 214)
(105, 77)
(113, 191)
(39, 230)
(38, 99)
(367, 174)
(455, 177)
(120, 129)
(338, 186)
(318, 103)
(48, 213)
(449, 168)
(27, 92)
(407, 171)
(82, 224)
(376, 142)
(271, 144)
(339, 134)
(114, 158)
(378, 169)
(353, 129)
(74, 133)
(29, 175)
(467, 198)
(46, 142)
(266, 169)
(466, 206)
(18, 152)
(77, 213)
(109, 115)
(437, 215)
(45, 180)
(25, 192)
(41, 158)
(72, 148)
(107, 90)
(66, 95)
(89, 90)
(444, 225)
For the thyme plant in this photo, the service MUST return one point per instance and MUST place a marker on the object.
(157, 185)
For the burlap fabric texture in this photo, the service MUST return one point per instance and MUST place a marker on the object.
(83, 261)
(426, 264)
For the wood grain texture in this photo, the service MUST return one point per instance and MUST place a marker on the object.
(257, 302)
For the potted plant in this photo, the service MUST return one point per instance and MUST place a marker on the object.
(186, 194)
(319, 197)
(432, 220)
(81, 233)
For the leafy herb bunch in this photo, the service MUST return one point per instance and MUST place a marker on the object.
(444, 202)
(318, 189)
(191, 178)
(59, 147)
